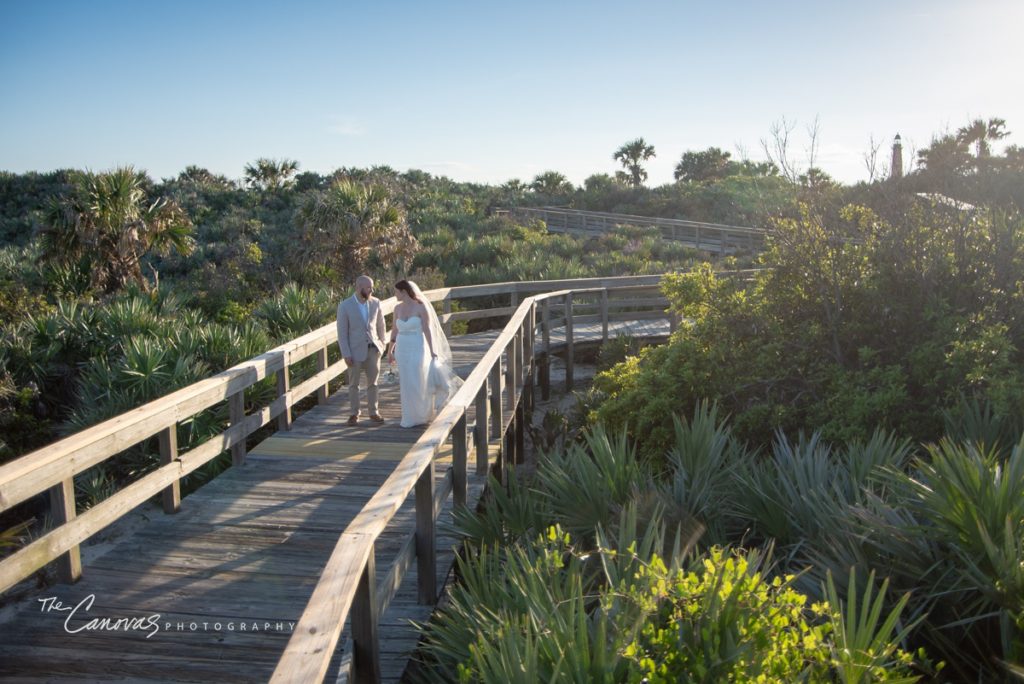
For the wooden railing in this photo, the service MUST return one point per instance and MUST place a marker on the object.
(53, 468)
(711, 237)
(347, 585)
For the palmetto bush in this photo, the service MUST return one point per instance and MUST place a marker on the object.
(796, 493)
(141, 370)
(550, 609)
(587, 484)
(703, 465)
(971, 500)
(295, 311)
(941, 528)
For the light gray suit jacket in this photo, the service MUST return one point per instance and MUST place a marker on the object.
(355, 336)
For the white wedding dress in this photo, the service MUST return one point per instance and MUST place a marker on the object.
(413, 368)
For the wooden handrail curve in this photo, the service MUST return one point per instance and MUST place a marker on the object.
(309, 651)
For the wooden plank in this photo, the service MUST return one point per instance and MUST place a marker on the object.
(569, 353)
(426, 549)
(171, 496)
(365, 641)
(460, 462)
(307, 655)
(495, 387)
(284, 419)
(62, 510)
(236, 414)
(321, 365)
(481, 437)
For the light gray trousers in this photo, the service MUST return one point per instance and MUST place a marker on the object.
(371, 366)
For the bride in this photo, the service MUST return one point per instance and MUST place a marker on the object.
(426, 377)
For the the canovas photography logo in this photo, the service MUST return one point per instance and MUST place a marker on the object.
(77, 620)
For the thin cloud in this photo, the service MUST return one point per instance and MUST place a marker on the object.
(346, 128)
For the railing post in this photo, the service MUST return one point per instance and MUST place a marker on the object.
(365, 640)
(426, 552)
(511, 371)
(446, 308)
(568, 343)
(531, 356)
(604, 315)
(62, 510)
(459, 458)
(236, 414)
(520, 433)
(520, 340)
(673, 321)
(284, 419)
(171, 495)
(545, 331)
(697, 231)
(321, 365)
(496, 418)
(481, 437)
(509, 457)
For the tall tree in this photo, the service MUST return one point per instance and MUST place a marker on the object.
(631, 156)
(946, 156)
(551, 183)
(270, 174)
(700, 167)
(108, 225)
(980, 134)
(352, 227)
(203, 177)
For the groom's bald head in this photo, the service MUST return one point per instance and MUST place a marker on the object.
(364, 286)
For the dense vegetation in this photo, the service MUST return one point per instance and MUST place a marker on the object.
(873, 376)
(606, 566)
(862, 502)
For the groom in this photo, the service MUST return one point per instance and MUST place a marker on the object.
(360, 335)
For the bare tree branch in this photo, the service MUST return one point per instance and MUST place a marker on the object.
(871, 158)
(776, 147)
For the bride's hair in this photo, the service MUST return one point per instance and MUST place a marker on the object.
(409, 288)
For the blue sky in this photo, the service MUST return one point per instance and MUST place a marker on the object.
(486, 91)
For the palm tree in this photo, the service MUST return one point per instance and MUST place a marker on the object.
(351, 227)
(981, 133)
(631, 155)
(514, 190)
(551, 183)
(270, 174)
(203, 177)
(108, 224)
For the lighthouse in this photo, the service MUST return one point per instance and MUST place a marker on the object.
(896, 168)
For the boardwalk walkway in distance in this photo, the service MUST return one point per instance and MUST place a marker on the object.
(715, 238)
(212, 593)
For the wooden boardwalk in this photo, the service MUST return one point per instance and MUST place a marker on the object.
(213, 593)
(710, 237)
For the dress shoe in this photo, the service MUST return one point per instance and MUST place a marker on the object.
(352, 420)
(376, 418)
